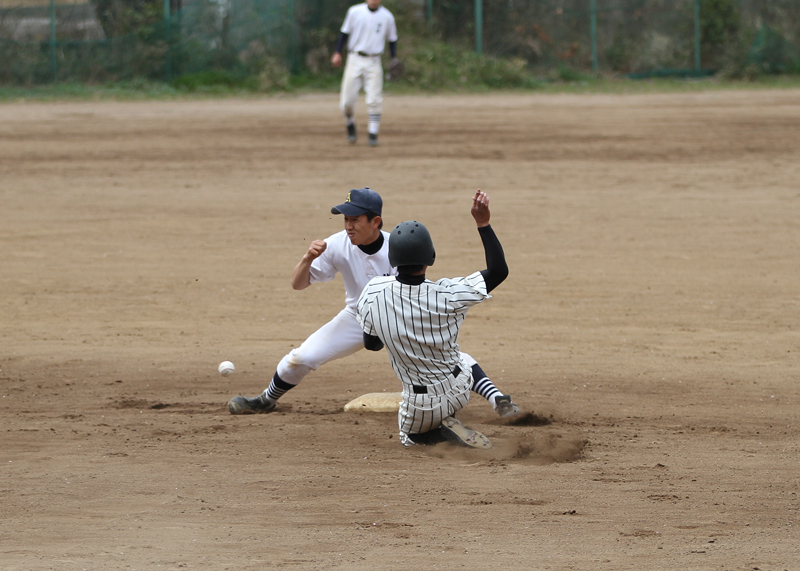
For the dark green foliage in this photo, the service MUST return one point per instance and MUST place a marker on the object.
(720, 26)
(122, 17)
(568, 74)
(771, 52)
(214, 79)
(435, 65)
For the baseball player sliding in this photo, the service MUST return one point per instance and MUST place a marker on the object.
(418, 320)
(359, 253)
(365, 31)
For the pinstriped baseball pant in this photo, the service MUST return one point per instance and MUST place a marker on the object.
(423, 412)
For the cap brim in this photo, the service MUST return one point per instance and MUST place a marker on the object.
(348, 209)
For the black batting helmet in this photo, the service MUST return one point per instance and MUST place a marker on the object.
(410, 244)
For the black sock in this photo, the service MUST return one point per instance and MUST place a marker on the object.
(277, 388)
(482, 385)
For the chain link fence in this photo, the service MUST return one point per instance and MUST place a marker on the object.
(269, 40)
(112, 40)
(631, 36)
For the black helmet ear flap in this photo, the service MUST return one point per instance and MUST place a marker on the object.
(410, 244)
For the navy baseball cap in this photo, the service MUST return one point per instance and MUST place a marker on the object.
(360, 201)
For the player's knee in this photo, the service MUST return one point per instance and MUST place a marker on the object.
(297, 360)
(293, 368)
(468, 359)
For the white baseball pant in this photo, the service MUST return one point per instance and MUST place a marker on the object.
(362, 72)
(340, 337)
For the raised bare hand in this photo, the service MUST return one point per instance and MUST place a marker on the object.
(480, 208)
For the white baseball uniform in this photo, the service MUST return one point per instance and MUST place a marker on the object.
(368, 31)
(419, 326)
(342, 336)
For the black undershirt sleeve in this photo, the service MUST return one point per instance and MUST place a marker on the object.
(393, 49)
(496, 268)
(372, 343)
(342, 42)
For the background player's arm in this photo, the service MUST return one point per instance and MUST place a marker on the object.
(336, 58)
(301, 276)
(496, 268)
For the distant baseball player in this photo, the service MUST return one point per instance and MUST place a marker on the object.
(365, 30)
(418, 320)
(359, 253)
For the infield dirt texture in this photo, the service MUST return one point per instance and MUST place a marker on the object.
(649, 322)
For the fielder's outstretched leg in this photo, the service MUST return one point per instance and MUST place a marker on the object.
(338, 338)
(263, 403)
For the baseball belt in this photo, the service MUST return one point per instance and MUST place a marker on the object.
(434, 389)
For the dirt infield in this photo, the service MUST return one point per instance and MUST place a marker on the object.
(649, 326)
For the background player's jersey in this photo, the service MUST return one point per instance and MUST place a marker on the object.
(419, 324)
(356, 267)
(368, 31)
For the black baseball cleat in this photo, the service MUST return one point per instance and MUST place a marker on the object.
(256, 405)
(351, 133)
(373, 140)
(457, 433)
(505, 408)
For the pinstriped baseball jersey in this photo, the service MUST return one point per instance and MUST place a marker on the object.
(419, 324)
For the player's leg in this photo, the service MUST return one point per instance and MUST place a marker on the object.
(452, 430)
(373, 86)
(483, 385)
(424, 407)
(340, 337)
(412, 420)
(429, 418)
(352, 83)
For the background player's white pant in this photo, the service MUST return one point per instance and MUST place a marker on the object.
(362, 72)
(421, 413)
(340, 337)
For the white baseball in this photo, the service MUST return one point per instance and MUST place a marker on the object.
(226, 368)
